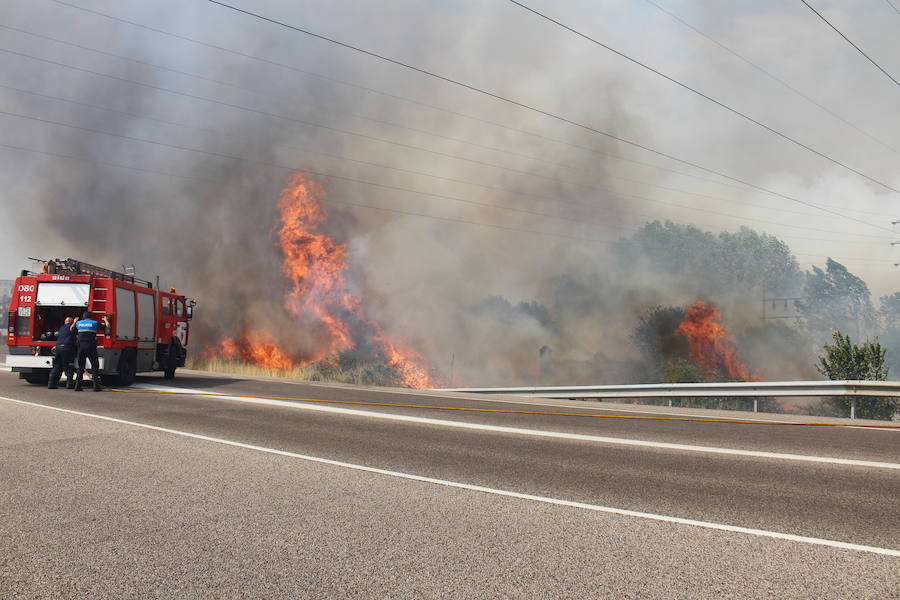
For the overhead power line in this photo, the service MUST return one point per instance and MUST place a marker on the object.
(741, 185)
(858, 49)
(404, 99)
(590, 240)
(550, 114)
(592, 187)
(398, 188)
(891, 4)
(589, 186)
(359, 116)
(304, 122)
(770, 75)
(302, 168)
(718, 103)
(292, 100)
(616, 192)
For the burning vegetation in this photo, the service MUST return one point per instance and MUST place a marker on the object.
(710, 345)
(311, 322)
(317, 301)
(689, 344)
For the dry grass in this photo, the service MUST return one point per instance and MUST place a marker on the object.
(320, 371)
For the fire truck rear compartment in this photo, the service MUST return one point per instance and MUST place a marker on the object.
(55, 301)
(48, 320)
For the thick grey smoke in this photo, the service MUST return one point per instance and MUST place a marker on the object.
(208, 223)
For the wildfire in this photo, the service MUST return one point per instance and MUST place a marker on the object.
(318, 299)
(410, 366)
(262, 351)
(709, 342)
(254, 347)
(315, 265)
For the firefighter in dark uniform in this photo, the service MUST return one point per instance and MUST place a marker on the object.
(87, 329)
(64, 356)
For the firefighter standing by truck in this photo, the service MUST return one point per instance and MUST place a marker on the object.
(64, 356)
(87, 329)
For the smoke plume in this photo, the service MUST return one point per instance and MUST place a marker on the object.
(475, 231)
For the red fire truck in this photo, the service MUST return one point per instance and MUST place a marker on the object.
(148, 332)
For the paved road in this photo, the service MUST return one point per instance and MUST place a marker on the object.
(467, 504)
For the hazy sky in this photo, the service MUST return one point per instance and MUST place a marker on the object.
(559, 180)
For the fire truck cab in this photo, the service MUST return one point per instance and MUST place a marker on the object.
(148, 327)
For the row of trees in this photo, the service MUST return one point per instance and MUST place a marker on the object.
(652, 275)
(682, 263)
(685, 259)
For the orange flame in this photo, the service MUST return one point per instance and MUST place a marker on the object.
(254, 347)
(709, 342)
(314, 264)
(411, 367)
(262, 351)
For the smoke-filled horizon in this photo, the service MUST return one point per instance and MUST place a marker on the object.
(175, 159)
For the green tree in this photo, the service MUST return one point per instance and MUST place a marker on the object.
(681, 370)
(837, 300)
(845, 360)
(727, 264)
(669, 248)
(656, 339)
(752, 258)
(665, 352)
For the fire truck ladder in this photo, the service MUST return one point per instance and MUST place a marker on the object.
(97, 303)
(71, 266)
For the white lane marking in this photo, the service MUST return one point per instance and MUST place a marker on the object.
(871, 428)
(299, 404)
(480, 488)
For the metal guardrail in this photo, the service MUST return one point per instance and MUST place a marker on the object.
(748, 389)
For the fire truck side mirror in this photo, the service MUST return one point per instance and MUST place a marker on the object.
(190, 310)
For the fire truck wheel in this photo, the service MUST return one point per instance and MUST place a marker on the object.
(127, 368)
(36, 378)
(171, 361)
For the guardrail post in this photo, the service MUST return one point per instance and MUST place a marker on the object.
(852, 407)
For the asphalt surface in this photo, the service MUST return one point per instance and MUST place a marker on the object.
(102, 509)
